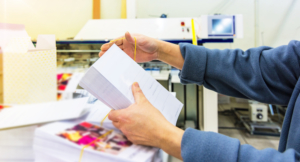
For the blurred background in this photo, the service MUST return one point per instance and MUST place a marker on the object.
(263, 23)
(266, 22)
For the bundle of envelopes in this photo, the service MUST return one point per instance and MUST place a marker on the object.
(110, 80)
(66, 141)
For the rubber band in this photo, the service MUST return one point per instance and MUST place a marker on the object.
(101, 123)
(134, 54)
(102, 136)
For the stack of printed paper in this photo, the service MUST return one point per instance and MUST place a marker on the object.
(97, 113)
(65, 141)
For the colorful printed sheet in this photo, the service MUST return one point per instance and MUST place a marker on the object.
(84, 133)
(62, 82)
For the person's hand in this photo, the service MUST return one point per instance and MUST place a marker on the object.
(143, 124)
(146, 49)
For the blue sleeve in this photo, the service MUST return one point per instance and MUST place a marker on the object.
(263, 74)
(209, 146)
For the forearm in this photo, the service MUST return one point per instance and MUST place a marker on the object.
(263, 74)
(170, 140)
(209, 146)
(170, 54)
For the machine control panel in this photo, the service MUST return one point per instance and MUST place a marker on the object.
(258, 112)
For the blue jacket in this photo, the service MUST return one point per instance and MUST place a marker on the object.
(265, 74)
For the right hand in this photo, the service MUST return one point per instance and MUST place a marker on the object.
(146, 49)
(143, 124)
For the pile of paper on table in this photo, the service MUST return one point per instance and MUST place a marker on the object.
(34, 114)
(64, 141)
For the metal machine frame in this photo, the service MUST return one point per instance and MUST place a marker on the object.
(253, 127)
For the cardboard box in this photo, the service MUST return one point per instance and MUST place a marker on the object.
(27, 74)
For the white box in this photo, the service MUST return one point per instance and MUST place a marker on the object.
(27, 74)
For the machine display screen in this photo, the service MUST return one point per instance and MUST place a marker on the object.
(222, 26)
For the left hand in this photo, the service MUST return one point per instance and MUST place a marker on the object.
(147, 49)
(141, 122)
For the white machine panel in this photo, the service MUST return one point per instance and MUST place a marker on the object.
(164, 28)
(160, 28)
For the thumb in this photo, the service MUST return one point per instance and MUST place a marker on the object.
(137, 92)
(129, 38)
(114, 115)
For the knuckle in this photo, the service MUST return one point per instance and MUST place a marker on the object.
(123, 117)
(143, 99)
(124, 132)
(120, 118)
(130, 139)
(139, 90)
(110, 116)
(116, 125)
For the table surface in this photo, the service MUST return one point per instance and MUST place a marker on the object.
(163, 75)
(175, 79)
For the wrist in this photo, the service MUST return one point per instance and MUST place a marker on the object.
(164, 132)
(170, 140)
(170, 54)
(162, 50)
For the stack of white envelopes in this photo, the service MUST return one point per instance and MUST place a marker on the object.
(110, 80)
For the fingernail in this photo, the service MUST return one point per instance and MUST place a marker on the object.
(136, 84)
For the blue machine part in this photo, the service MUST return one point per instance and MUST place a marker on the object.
(163, 16)
(200, 41)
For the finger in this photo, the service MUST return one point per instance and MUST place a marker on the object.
(129, 38)
(106, 46)
(114, 115)
(116, 124)
(101, 53)
(137, 93)
(121, 47)
(119, 41)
